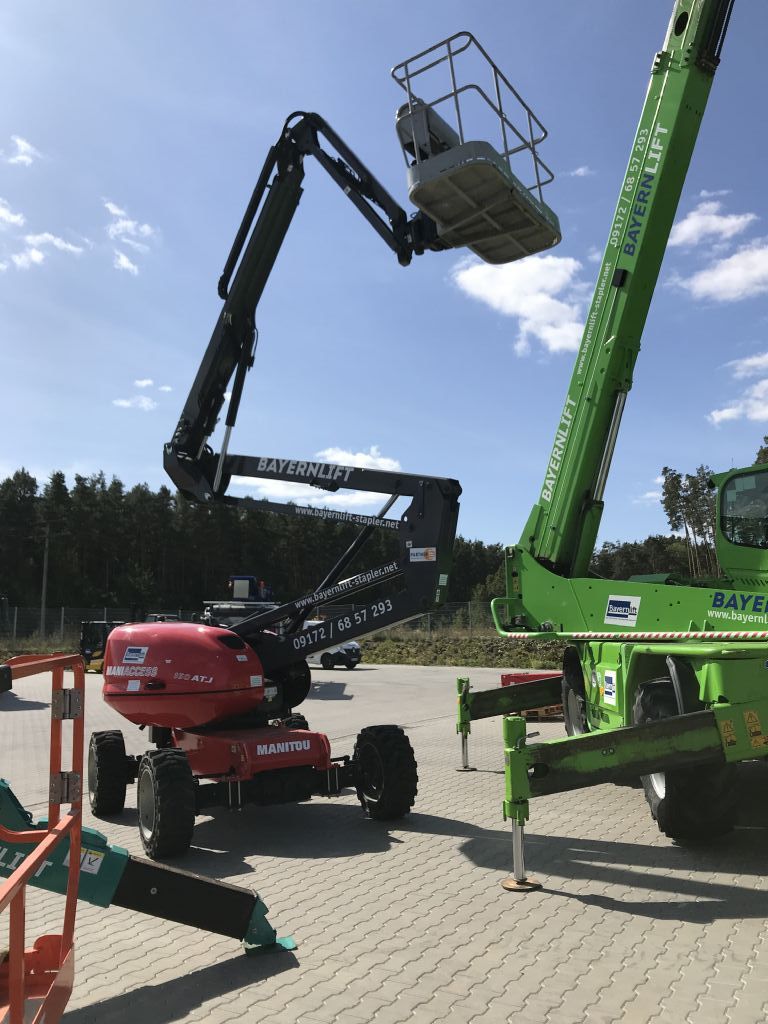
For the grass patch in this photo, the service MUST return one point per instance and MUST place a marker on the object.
(474, 652)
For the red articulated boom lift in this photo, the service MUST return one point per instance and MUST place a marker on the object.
(219, 703)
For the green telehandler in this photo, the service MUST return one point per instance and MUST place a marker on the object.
(660, 681)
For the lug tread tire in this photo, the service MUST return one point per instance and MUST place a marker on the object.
(326, 661)
(107, 767)
(699, 802)
(398, 765)
(174, 795)
(296, 722)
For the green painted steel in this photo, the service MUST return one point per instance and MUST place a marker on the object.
(101, 865)
(563, 525)
(724, 733)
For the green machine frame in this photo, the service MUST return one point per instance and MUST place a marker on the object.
(659, 677)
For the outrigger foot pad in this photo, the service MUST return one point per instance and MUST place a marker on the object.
(214, 906)
(520, 885)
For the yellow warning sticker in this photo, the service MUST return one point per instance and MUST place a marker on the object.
(752, 722)
(728, 732)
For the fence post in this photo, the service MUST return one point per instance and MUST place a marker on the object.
(105, 614)
(429, 625)
(469, 616)
(15, 620)
(61, 627)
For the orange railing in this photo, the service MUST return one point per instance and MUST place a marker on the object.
(45, 973)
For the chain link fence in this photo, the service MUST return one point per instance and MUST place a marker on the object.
(25, 626)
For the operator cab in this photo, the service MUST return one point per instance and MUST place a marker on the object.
(742, 520)
(469, 188)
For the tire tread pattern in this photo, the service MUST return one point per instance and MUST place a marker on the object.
(400, 782)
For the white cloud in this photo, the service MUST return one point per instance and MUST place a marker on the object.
(580, 172)
(46, 238)
(165, 387)
(25, 152)
(372, 459)
(142, 402)
(594, 255)
(7, 216)
(121, 262)
(740, 276)
(530, 290)
(647, 498)
(658, 479)
(750, 366)
(706, 221)
(137, 246)
(303, 494)
(30, 257)
(706, 194)
(126, 231)
(3, 266)
(752, 405)
(145, 382)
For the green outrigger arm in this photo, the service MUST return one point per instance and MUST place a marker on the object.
(110, 876)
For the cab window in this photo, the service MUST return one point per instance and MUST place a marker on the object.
(744, 510)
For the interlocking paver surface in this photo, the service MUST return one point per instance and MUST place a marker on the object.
(408, 923)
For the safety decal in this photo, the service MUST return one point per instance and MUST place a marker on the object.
(621, 610)
(133, 685)
(257, 680)
(443, 579)
(135, 655)
(728, 732)
(242, 657)
(90, 861)
(609, 695)
(423, 554)
(755, 730)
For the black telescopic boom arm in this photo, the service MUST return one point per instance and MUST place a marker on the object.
(425, 531)
(251, 260)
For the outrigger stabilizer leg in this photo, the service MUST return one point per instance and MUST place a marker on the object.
(110, 876)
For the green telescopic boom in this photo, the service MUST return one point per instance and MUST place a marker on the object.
(562, 528)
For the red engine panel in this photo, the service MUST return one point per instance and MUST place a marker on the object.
(181, 674)
(243, 753)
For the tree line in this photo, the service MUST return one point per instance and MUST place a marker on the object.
(118, 547)
(109, 546)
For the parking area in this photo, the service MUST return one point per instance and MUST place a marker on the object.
(409, 923)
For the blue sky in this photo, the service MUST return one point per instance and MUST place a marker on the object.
(130, 141)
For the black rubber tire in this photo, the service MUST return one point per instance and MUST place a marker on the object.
(326, 660)
(350, 665)
(574, 695)
(165, 799)
(107, 772)
(386, 772)
(296, 722)
(688, 804)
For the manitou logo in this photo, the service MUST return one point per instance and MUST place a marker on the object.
(289, 747)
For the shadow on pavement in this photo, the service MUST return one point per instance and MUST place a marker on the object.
(329, 691)
(10, 701)
(651, 874)
(174, 1000)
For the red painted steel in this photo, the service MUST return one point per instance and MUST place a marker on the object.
(45, 972)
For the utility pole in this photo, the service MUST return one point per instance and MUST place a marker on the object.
(45, 580)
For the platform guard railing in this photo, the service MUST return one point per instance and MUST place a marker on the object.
(45, 972)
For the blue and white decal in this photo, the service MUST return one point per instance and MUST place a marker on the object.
(621, 610)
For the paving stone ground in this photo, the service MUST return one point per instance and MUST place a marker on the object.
(409, 923)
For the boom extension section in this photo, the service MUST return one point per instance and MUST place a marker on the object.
(563, 525)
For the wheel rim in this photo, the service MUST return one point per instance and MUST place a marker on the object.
(372, 771)
(659, 783)
(576, 713)
(146, 805)
(92, 776)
